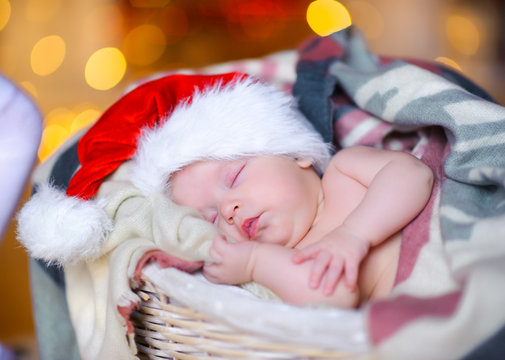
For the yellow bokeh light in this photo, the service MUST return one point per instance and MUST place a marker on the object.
(47, 55)
(367, 18)
(462, 34)
(59, 116)
(5, 13)
(61, 122)
(52, 137)
(327, 16)
(144, 45)
(30, 88)
(449, 62)
(83, 119)
(105, 68)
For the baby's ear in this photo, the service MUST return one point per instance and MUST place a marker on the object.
(304, 163)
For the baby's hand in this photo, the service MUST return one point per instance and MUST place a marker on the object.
(339, 253)
(233, 262)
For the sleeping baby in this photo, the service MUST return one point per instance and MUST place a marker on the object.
(333, 239)
(309, 227)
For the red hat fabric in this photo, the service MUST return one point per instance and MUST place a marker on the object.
(113, 138)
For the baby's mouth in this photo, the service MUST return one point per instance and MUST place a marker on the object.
(250, 226)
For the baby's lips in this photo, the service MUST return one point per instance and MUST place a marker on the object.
(249, 226)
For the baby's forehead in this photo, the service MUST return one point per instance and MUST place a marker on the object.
(200, 170)
(206, 166)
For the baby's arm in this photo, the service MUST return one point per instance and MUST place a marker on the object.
(397, 187)
(270, 265)
(274, 269)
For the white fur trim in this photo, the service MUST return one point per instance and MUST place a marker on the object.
(62, 229)
(244, 119)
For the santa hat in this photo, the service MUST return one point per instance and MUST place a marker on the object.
(161, 127)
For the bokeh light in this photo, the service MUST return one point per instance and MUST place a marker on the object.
(367, 18)
(449, 62)
(61, 122)
(83, 119)
(52, 137)
(144, 45)
(462, 34)
(42, 11)
(59, 116)
(55, 131)
(5, 13)
(47, 55)
(105, 68)
(327, 16)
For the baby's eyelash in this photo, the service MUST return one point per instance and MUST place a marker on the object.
(236, 174)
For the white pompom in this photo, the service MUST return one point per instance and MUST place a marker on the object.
(62, 229)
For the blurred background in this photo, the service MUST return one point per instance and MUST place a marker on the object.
(75, 58)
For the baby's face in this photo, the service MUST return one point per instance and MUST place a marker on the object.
(269, 199)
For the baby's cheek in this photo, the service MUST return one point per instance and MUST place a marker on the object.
(279, 231)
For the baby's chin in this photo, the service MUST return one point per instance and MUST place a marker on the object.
(281, 234)
(279, 239)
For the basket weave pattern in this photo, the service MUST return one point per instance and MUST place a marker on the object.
(164, 330)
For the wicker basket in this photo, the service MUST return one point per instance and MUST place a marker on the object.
(169, 331)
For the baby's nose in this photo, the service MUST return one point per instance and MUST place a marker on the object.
(229, 210)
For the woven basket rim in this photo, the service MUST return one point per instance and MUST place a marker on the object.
(168, 330)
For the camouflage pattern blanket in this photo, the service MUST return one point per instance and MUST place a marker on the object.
(448, 301)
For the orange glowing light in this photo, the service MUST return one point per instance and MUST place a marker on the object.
(52, 137)
(463, 34)
(449, 62)
(327, 16)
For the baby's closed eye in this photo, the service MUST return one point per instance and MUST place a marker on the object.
(233, 174)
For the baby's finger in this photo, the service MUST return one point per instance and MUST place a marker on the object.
(210, 272)
(219, 243)
(319, 266)
(305, 254)
(351, 275)
(214, 251)
(215, 255)
(333, 276)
